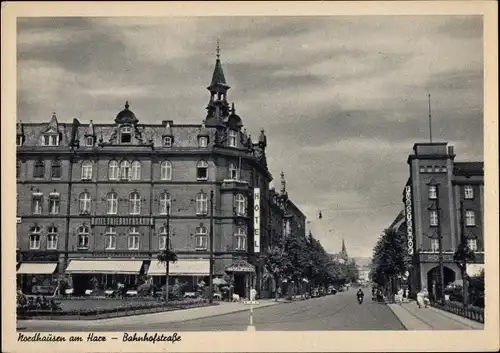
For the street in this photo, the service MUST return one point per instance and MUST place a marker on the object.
(333, 312)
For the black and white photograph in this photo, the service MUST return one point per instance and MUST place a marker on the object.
(260, 173)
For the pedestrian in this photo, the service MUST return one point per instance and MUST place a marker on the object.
(423, 298)
(399, 296)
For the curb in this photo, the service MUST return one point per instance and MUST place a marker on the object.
(397, 317)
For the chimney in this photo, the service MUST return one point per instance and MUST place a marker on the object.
(451, 150)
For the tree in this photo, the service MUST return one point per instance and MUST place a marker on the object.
(390, 259)
(462, 256)
(165, 257)
(276, 261)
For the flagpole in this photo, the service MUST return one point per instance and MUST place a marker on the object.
(430, 119)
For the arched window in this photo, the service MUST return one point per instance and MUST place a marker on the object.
(83, 237)
(125, 170)
(86, 170)
(136, 170)
(240, 205)
(165, 203)
(110, 240)
(202, 170)
(39, 170)
(166, 170)
(52, 238)
(135, 203)
(201, 238)
(133, 239)
(55, 172)
(240, 239)
(113, 171)
(162, 239)
(201, 204)
(112, 203)
(85, 203)
(233, 171)
(35, 238)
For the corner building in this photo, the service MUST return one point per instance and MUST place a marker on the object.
(96, 200)
(444, 198)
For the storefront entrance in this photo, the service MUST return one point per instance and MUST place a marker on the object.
(239, 284)
(434, 281)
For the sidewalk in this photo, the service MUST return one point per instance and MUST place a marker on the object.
(414, 318)
(163, 317)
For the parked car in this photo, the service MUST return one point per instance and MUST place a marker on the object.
(332, 290)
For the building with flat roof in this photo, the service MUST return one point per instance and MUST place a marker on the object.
(443, 199)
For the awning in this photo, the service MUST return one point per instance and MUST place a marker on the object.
(193, 267)
(36, 268)
(127, 267)
(240, 266)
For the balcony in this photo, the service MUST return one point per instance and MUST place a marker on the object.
(235, 184)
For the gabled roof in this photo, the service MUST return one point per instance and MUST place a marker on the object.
(468, 168)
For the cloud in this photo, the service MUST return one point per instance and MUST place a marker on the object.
(342, 99)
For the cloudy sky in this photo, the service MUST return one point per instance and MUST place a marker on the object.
(342, 99)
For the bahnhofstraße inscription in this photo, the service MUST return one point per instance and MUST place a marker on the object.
(91, 337)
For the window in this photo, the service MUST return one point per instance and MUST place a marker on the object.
(167, 141)
(434, 245)
(126, 134)
(86, 170)
(83, 237)
(35, 238)
(166, 170)
(113, 170)
(54, 203)
(202, 170)
(112, 203)
(469, 192)
(233, 171)
(52, 238)
(136, 170)
(85, 203)
(110, 238)
(39, 170)
(203, 141)
(472, 243)
(241, 239)
(18, 169)
(165, 203)
(125, 170)
(201, 204)
(201, 238)
(37, 203)
(89, 141)
(55, 172)
(133, 239)
(433, 218)
(135, 203)
(240, 205)
(470, 218)
(19, 140)
(51, 140)
(231, 138)
(432, 192)
(162, 240)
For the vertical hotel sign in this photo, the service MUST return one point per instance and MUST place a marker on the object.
(409, 220)
(256, 220)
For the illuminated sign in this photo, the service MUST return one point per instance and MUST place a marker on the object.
(409, 220)
(256, 220)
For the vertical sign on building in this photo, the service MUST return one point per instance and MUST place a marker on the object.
(256, 220)
(409, 220)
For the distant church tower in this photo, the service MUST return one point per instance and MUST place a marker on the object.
(343, 252)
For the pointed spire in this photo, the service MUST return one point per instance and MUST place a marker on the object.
(218, 48)
(218, 78)
(90, 129)
(262, 139)
(127, 105)
(233, 109)
(343, 253)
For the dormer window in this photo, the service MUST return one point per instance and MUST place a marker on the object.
(126, 134)
(89, 141)
(232, 138)
(51, 140)
(203, 141)
(167, 141)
